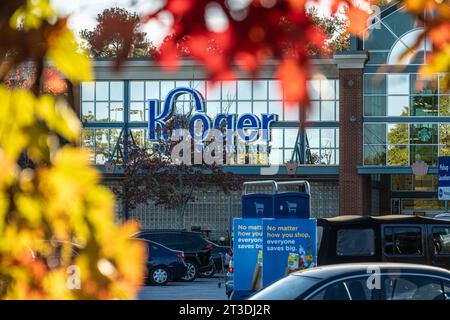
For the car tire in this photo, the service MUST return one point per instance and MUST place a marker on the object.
(209, 273)
(191, 272)
(159, 276)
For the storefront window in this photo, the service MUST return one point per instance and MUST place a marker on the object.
(406, 182)
(102, 101)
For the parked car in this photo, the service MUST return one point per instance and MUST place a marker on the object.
(229, 283)
(361, 281)
(197, 251)
(163, 264)
(395, 238)
(442, 216)
(220, 255)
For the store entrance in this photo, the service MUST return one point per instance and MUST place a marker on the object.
(420, 207)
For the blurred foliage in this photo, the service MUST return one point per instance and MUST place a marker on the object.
(58, 239)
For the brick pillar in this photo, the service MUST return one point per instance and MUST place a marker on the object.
(354, 189)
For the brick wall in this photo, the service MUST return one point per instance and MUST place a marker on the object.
(354, 189)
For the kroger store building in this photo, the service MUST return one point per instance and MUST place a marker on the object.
(369, 126)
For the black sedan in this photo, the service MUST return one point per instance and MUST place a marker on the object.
(365, 281)
(164, 264)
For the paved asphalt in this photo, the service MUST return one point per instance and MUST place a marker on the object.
(199, 289)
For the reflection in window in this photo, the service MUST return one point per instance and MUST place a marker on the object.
(441, 240)
(374, 155)
(102, 101)
(322, 146)
(355, 242)
(398, 105)
(403, 240)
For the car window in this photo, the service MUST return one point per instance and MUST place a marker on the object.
(355, 242)
(288, 288)
(447, 289)
(403, 240)
(350, 289)
(406, 287)
(441, 240)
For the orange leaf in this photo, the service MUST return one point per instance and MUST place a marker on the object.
(293, 80)
(357, 19)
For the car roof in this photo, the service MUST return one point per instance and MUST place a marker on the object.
(157, 243)
(167, 231)
(395, 218)
(323, 272)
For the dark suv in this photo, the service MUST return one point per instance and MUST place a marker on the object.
(197, 250)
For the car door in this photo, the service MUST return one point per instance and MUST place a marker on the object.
(404, 243)
(439, 245)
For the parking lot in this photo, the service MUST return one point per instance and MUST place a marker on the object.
(200, 289)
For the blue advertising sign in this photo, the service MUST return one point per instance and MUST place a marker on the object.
(444, 178)
(257, 206)
(290, 205)
(247, 252)
(288, 245)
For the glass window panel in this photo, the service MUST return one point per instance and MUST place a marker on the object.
(291, 112)
(337, 89)
(314, 89)
(152, 90)
(375, 105)
(441, 241)
(87, 90)
(403, 240)
(398, 106)
(444, 134)
(327, 109)
(377, 57)
(313, 137)
(397, 155)
(277, 138)
(290, 137)
(375, 83)
(276, 156)
(137, 90)
(87, 111)
(101, 138)
(244, 107)
(87, 138)
(259, 107)
(327, 156)
(166, 87)
(443, 88)
(424, 106)
(427, 154)
(229, 90)
(355, 242)
(139, 137)
(398, 83)
(183, 107)
(444, 106)
(276, 107)
(423, 183)
(116, 111)
(102, 111)
(183, 83)
(116, 88)
(327, 90)
(200, 87)
(400, 22)
(113, 137)
(374, 155)
(398, 133)
(313, 156)
(260, 90)
(137, 111)
(375, 133)
(423, 133)
(402, 182)
(101, 90)
(314, 111)
(421, 84)
(101, 155)
(229, 107)
(244, 90)
(213, 91)
(379, 39)
(275, 90)
(288, 155)
(327, 138)
(213, 109)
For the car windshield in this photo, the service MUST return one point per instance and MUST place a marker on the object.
(288, 288)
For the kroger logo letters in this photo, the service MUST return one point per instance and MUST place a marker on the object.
(247, 125)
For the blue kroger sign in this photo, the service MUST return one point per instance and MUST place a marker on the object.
(247, 125)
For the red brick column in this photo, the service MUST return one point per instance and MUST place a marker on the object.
(354, 189)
